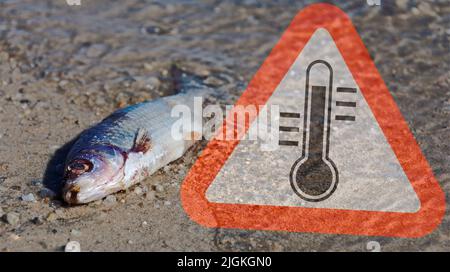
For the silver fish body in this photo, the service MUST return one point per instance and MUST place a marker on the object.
(126, 147)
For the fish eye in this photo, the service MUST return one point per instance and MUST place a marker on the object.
(78, 167)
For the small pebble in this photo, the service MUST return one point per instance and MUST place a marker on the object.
(138, 190)
(96, 50)
(47, 193)
(63, 83)
(167, 203)
(36, 182)
(12, 218)
(144, 223)
(75, 233)
(148, 66)
(72, 246)
(130, 242)
(28, 198)
(1, 212)
(213, 81)
(51, 217)
(14, 237)
(110, 200)
(159, 188)
(153, 30)
(100, 101)
(4, 166)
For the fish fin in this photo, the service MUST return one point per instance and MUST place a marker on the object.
(142, 142)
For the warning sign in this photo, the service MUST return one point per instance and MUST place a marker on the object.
(345, 160)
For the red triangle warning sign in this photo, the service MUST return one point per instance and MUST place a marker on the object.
(342, 159)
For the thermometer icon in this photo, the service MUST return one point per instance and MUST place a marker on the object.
(314, 176)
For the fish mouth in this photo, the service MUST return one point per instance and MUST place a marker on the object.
(70, 194)
(93, 174)
(83, 191)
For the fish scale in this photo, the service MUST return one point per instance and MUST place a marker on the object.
(121, 132)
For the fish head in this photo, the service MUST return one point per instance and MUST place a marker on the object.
(93, 174)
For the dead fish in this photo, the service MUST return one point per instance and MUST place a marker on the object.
(128, 146)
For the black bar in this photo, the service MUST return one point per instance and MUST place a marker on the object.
(289, 129)
(346, 90)
(227, 261)
(288, 143)
(345, 104)
(345, 118)
(290, 114)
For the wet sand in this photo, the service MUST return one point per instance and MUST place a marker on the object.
(65, 68)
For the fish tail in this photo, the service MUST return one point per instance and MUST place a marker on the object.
(188, 84)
